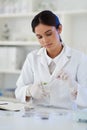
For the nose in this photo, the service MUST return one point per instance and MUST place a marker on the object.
(45, 39)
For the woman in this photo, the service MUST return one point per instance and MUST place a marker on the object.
(56, 74)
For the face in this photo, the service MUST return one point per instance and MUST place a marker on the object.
(48, 36)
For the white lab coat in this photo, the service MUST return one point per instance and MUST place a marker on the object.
(35, 70)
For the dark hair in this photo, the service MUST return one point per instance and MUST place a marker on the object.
(45, 17)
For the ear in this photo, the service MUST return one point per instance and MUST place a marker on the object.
(60, 29)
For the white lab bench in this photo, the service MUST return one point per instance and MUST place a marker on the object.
(40, 118)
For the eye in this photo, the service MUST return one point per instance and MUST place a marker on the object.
(39, 37)
(48, 33)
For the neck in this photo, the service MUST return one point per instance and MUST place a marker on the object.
(55, 52)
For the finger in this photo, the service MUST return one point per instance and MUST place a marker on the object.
(62, 72)
(63, 76)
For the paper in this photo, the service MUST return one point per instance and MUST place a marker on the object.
(11, 106)
(3, 103)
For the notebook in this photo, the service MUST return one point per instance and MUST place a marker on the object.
(11, 106)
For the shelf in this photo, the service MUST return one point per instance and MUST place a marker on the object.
(8, 71)
(19, 43)
(13, 15)
(71, 12)
(32, 14)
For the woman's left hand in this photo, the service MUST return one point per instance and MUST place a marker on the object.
(71, 82)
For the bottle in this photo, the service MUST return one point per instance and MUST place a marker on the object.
(6, 32)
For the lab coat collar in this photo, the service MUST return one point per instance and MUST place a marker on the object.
(43, 60)
(61, 62)
(67, 51)
(41, 54)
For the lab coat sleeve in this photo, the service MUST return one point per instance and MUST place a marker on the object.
(81, 99)
(20, 93)
(25, 80)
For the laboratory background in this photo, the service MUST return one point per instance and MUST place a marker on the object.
(17, 38)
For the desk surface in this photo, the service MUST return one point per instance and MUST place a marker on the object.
(25, 121)
(39, 118)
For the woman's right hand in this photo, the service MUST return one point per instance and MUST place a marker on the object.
(36, 91)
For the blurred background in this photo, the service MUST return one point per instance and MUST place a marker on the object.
(17, 38)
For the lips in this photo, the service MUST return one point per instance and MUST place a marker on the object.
(48, 45)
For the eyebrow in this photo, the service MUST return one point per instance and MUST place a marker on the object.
(44, 32)
(48, 31)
